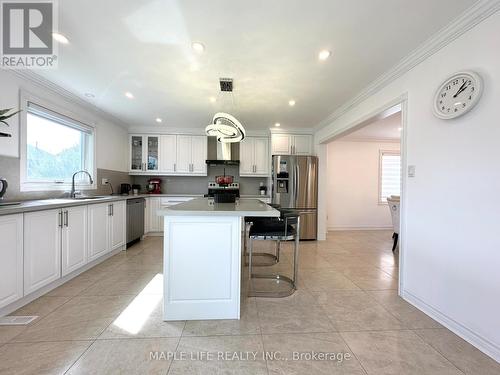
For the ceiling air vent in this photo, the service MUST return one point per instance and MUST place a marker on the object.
(226, 84)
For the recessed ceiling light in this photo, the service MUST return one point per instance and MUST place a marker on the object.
(291, 102)
(212, 99)
(400, 129)
(324, 54)
(60, 38)
(89, 95)
(198, 47)
(277, 124)
(129, 95)
(158, 120)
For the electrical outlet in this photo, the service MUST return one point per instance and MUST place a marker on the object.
(104, 181)
(411, 171)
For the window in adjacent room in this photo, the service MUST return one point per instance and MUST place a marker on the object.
(54, 147)
(390, 175)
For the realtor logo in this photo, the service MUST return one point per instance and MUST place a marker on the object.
(27, 34)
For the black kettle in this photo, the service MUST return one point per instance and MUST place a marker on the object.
(3, 187)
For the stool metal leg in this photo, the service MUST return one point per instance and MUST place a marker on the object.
(296, 254)
(250, 250)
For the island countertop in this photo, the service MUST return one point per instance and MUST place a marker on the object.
(207, 207)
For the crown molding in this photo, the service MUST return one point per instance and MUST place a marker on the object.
(291, 131)
(36, 79)
(368, 139)
(466, 21)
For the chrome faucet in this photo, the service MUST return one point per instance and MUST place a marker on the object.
(73, 192)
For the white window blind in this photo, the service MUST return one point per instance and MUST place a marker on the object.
(390, 175)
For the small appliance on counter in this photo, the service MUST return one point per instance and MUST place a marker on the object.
(125, 189)
(154, 186)
(223, 193)
(136, 189)
(262, 189)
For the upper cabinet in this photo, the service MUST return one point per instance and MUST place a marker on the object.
(254, 157)
(168, 155)
(144, 153)
(292, 144)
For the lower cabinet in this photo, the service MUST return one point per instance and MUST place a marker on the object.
(153, 222)
(106, 228)
(42, 248)
(74, 238)
(11, 264)
(98, 229)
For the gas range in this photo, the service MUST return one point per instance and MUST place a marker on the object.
(215, 188)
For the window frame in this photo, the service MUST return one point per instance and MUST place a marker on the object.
(89, 153)
(381, 155)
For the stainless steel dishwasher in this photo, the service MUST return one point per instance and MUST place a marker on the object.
(135, 219)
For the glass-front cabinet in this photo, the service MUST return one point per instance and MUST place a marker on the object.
(136, 153)
(144, 150)
(152, 153)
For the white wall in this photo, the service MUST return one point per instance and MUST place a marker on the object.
(112, 139)
(353, 185)
(451, 248)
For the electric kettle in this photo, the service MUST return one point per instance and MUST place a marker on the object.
(3, 187)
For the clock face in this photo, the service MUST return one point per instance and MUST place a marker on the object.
(457, 95)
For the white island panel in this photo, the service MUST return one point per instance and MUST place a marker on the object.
(202, 267)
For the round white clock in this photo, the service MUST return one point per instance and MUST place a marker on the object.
(458, 95)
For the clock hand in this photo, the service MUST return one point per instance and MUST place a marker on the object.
(462, 88)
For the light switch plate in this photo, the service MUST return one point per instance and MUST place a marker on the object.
(104, 181)
(411, 171)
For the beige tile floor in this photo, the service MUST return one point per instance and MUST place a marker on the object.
(108, 320)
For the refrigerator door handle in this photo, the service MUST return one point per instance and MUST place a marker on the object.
(296, 184)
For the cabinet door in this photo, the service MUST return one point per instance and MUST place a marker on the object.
(154, 219)
(117, 225)
(281, 144)
(261, 150)
(168, 153)
(42, 249)
(247, 157)
(152, 153)
(183, 154)
(11, 264)
(74, 239)
(199, 155)
(136, 153)
(98, 233)
(147, 210)
(302, 144)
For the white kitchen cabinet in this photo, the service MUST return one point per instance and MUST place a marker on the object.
(191, 155)
(74, 239)
(144, 153)
(42, 248)
(168, 153)
(154, 222)
(117, 225)
(291, 144)
(98, 229)
(11, 263)
(254, 157)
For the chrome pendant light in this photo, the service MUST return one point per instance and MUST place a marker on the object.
(226, 128)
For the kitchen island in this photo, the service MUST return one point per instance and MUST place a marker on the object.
(202, 257)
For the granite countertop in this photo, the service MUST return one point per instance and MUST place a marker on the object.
(54, 203)
(207, 207)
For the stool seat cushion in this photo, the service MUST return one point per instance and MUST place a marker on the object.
(271, 228)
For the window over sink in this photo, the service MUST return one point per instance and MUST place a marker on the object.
(54, 146)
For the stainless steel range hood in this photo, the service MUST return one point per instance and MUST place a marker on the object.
(222, 153)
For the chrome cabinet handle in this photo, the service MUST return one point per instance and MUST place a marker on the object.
(175, 167)
(66, 219)
(60, 219)
(109, 210)
(112, 210)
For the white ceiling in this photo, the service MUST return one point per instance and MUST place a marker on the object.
(270, 48)
(380, 130)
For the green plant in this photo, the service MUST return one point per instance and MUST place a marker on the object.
(4, 116)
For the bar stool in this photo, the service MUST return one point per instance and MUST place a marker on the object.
(287, 228)
(268, 259)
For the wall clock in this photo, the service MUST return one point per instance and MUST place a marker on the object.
(457, 95)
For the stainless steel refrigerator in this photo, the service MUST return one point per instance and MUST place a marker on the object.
(295, 187)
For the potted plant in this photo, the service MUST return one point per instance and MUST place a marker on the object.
(4, 115)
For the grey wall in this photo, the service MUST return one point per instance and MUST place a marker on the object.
(9, 169)
(198, 185)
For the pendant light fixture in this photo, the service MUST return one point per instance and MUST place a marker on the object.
(226, 128)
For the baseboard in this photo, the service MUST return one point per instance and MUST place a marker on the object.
(340, 228)
(487, 347)
(153, 234)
